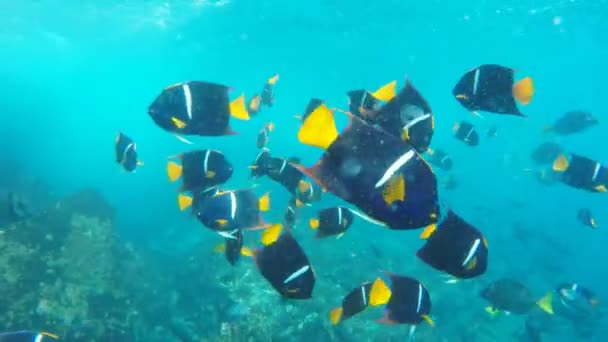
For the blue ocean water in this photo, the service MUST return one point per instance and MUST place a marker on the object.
(74, 74)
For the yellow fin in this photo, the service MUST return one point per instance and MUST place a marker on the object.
(546, 303)
(299, 203)
(492, 311)
(485, 241)
(462, 96)
(174, 171)
(270, 126)
(271, 234)
(429, 320)
(472, 264)
(430, 151)
(313, 223)
(264, 202)
(386, 92)
(254, 103)
(428, 231)
(184, 201)
(561, 164)
(319, 128)
(53, 336)
(335, 316)
(303, 186)
(273, 80)
(246, 252)
(601, 188)
(394, 190)
(524, 90)
(210, 174)
(220, 248)
(380, 293)
(592, 222)
(221, 222)
(178, 123)
(405, 134)
(238, 109)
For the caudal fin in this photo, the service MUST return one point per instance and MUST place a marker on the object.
(524, 90)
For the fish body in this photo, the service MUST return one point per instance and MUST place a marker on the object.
(492, 88)
(379, 173)
(456, 247)
(197, 108)
(546, 153)
(574, 122)
(509, 295)
(581, 172)
(200, 169)
(409, 117)
(125, 150)
(230, 210)
(332, 221)
(465, 132)
(286, 267)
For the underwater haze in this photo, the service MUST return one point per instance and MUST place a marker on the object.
(76, 73)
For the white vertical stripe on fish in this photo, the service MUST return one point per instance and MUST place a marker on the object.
(472, 252)
(339, 216)
(394, 167)
(596, 171)
(283, 166)
(206, 162)
(416, 120)
(39, 337)
(419, 298)
(296, 274)
(364, 295)
(188, 96)
(233, 205)
(229, 235)
(476, 82)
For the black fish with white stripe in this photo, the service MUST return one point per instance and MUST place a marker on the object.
(440, 159)
(200, 169)
(581, 172)
(332, 221)
(234, 209)
(455, 247)
(286, 267)
(126, 152)
(377, 172)
(492, 88)
(465, 132)
(355, 302)
(408, 116)
(197, 108)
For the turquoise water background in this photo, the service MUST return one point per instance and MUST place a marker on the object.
(74, 74)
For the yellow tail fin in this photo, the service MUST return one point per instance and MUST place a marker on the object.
(546, 303)
(174, 171)
(380, 293)
(246, 252)
(273, 80)
(335, 316)
(303, 186)
(524, 90)
(319, 128)
(184, 201)
(264, 202)
(238, 109)
(561, 163)
(386, 92)
(271, 234)
(313, 223)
